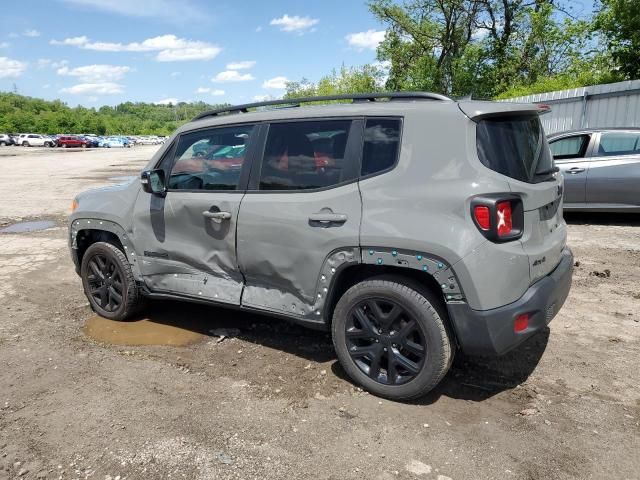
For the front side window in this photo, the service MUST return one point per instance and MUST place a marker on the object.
(619, 143)
(210, 159)
(306, 155)
(569, 147)
(381, 144)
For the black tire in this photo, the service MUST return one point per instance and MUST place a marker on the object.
(423, 315)
(3, 144)
(25, 144)
(116, 276)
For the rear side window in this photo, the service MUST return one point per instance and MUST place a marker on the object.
(515, 147)
(619, 143)
(569, 147)
(306, 155)
(381, 145)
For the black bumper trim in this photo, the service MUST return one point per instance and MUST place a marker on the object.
(490, 332)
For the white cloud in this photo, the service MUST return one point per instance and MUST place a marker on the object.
(10, 68)
(263, 98)
(46, 85)
(232, 76)
(104, 88)
(183, 11)
(276, 82)
(169, 48)
(294, 23)
(176, 74)
(259, 28)
(215, 92)
(365, 40)
(167, 101)
(95, 73)
(73, 41)
(244, 65)
(31, 33)
(4, 45)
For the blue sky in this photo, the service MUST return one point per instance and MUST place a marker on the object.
(96, 52)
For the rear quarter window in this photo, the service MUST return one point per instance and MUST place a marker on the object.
(381, 145)
(514, 146)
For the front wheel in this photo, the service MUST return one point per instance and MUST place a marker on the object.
(108, 282)
(391, 339)
(25, 144)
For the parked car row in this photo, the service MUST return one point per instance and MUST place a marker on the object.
(79, 141)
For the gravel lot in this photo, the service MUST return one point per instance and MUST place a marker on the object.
(77, 400)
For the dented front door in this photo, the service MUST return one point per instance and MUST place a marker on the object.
(186, 241)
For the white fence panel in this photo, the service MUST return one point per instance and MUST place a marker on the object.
(596, 106)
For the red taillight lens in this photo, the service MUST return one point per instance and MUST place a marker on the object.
(483, 217)
(505, 219)
(521, 323)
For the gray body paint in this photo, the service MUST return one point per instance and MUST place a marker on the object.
(269, 257)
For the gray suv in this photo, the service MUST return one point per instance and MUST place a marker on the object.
(407, 224)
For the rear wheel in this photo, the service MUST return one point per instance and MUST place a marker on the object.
(390, 338)
(108, 282)
(25, 144)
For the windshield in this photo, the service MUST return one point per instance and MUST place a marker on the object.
(515, 147)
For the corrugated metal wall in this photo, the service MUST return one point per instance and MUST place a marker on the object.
(609, 105)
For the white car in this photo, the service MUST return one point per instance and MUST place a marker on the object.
(33, 140)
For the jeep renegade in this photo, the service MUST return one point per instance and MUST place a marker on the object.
(408, 224)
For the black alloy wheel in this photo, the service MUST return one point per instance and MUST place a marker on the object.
(385, 341)
(391, 337)
(105, 281)
(109, 283)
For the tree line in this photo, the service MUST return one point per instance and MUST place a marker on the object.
(492, 48)
(484, 48)
(20, 114)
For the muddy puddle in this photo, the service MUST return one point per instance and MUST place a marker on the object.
(24, 227)
(139, 332)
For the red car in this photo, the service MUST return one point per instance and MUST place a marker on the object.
(73, 141)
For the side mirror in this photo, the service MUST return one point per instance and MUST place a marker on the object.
(153, 182)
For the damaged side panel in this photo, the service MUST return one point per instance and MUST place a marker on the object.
(185, 252)
(285, 249)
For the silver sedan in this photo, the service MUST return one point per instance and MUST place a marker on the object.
(601, 168)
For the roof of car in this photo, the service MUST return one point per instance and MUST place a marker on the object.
(594, 130)
(388, 103)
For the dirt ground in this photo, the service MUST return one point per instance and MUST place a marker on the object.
(270, 401)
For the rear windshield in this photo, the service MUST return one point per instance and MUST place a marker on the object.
(515, 147)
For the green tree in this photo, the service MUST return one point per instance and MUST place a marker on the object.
(364, 79)
(618, 21)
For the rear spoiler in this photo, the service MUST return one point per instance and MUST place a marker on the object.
(477, 110)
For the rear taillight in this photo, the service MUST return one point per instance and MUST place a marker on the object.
(499, 217)
(481, 214)
(505, 220)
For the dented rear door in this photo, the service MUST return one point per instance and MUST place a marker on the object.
(300, 218)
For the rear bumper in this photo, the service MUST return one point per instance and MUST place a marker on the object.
(491, 332)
